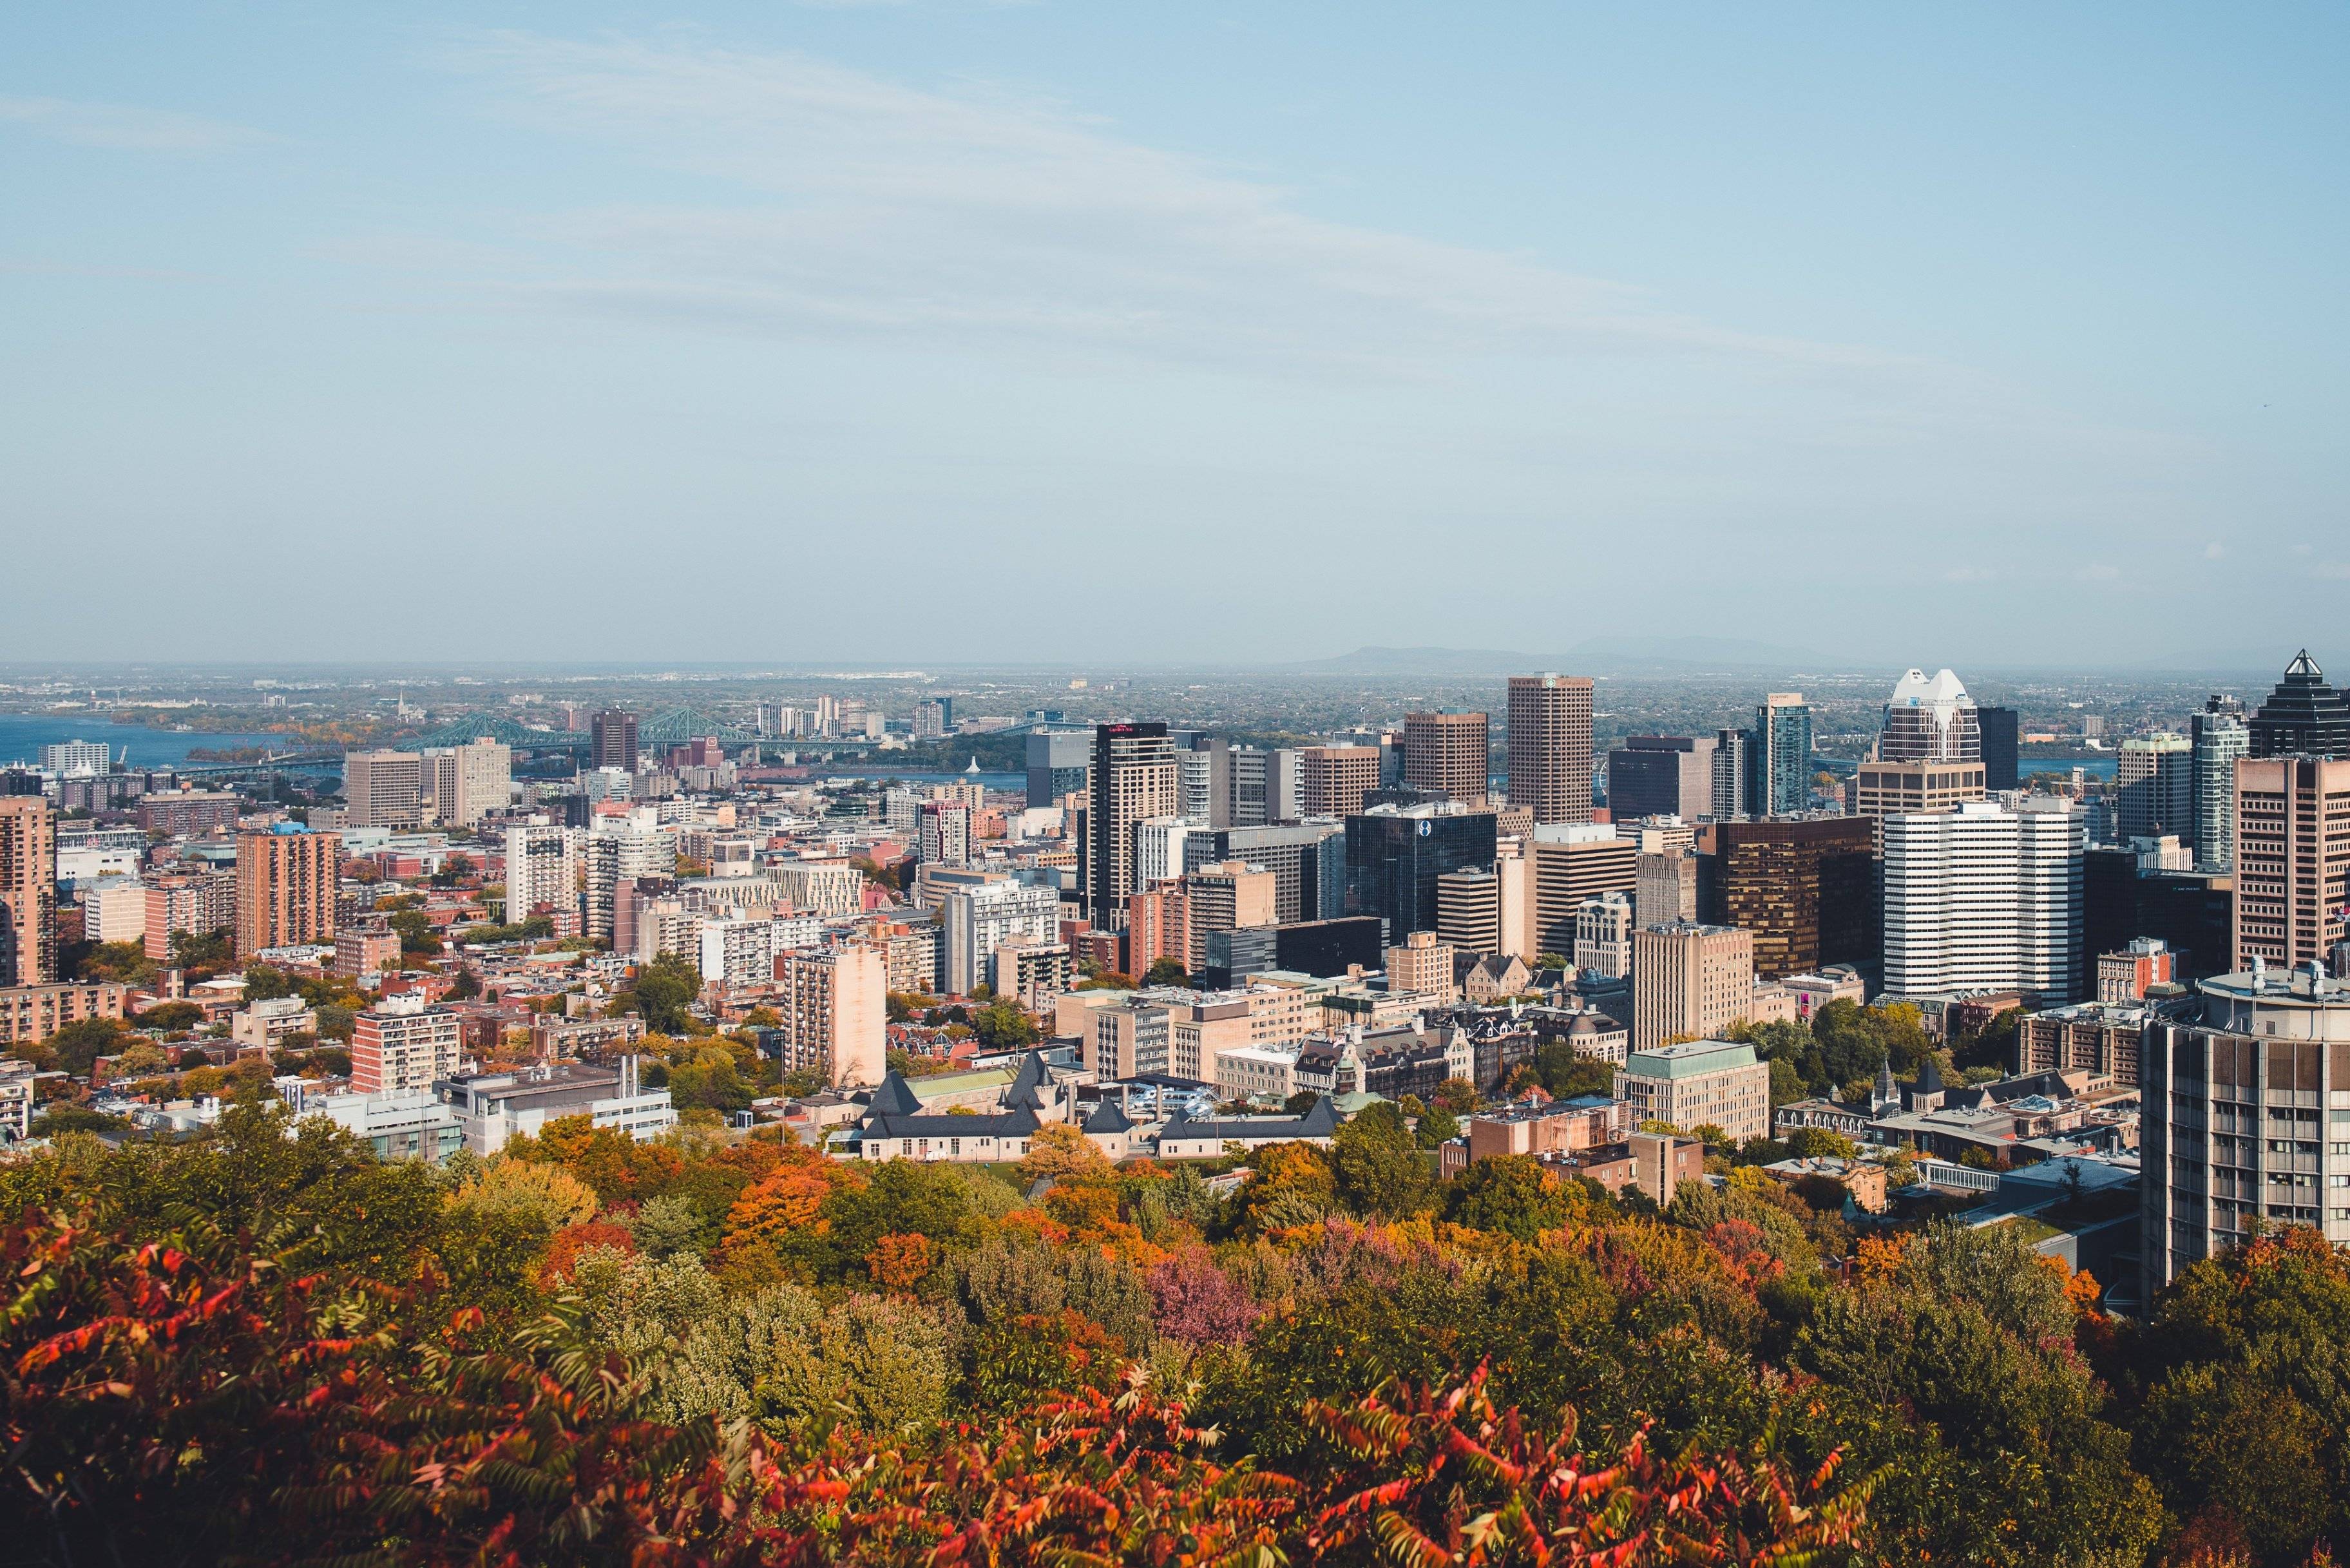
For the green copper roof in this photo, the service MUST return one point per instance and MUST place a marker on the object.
(1689, 1060)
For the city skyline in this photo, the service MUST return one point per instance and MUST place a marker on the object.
(817, 287)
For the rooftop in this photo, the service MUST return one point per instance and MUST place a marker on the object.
(1689, 1059)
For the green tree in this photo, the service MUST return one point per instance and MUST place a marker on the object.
(171, 1016)
(1511, 1194)
(1003, 1025)
(78, 1045)
(663, 993)
(1166, 971)
(1377, 1164)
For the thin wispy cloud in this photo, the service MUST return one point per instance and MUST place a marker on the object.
(125, 127)
(876, 207)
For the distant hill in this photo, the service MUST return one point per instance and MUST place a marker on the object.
(1594, 656)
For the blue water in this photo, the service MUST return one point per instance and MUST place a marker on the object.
(22, 736)
(2092, 767)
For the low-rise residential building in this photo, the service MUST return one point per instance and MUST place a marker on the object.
(267, 1023)
(2094, 1037)
(1863, 1179)
(16, 1102)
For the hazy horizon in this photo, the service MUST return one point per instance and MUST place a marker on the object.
(996, 336)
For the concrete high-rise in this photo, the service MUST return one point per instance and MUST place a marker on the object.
(835, 1006)
(2292, 859)
(1227, 896)
(1981, 898)
(1448, 754)
(1783, 755)
(1570, 863)
(2154, 780)
(542, 870)
(404, 1043)
(1691, 982)
(285, 879)
(1661, 775)
(1550, 746)
(1733, 771)
(614, 855)
(29, 891)
(383, 789)
(943, 833)
(1135, 778)
(2215, 738)
(613, 739)
(1479, 910)
(1333, 780)
(465, 782)
(2303, 716)
(2236, 1133)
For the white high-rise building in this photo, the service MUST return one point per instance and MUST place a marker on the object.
(1931, 718)
(1159, 848)
(612, 858)
(980, 919)
(77, 759)
(1983, 898)
(542, 870)
(2217, 737)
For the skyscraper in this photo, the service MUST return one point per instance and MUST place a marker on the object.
(462, 783)
(2002, 756)
(285, 879)
(1333, 780)
(2216, 737)
(1450, 754)
(542, 870)
(613, 739)
(29, 891)
(2303, 716)
(1734, 770)
(1056, 764)
(383, 789)
(1571, 862)
(2154, 780)
(1661, 775)
(1930, 719)
(1980, 898)
(1396, 854)
(2292, 858)
(1135, 778)
(1807, 890)
(1550, 746)
(1690, 981)
(1783, 755)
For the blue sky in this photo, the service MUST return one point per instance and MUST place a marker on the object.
(1964, 335)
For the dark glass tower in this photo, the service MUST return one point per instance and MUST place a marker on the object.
(1998, 747)
(2303, 716)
